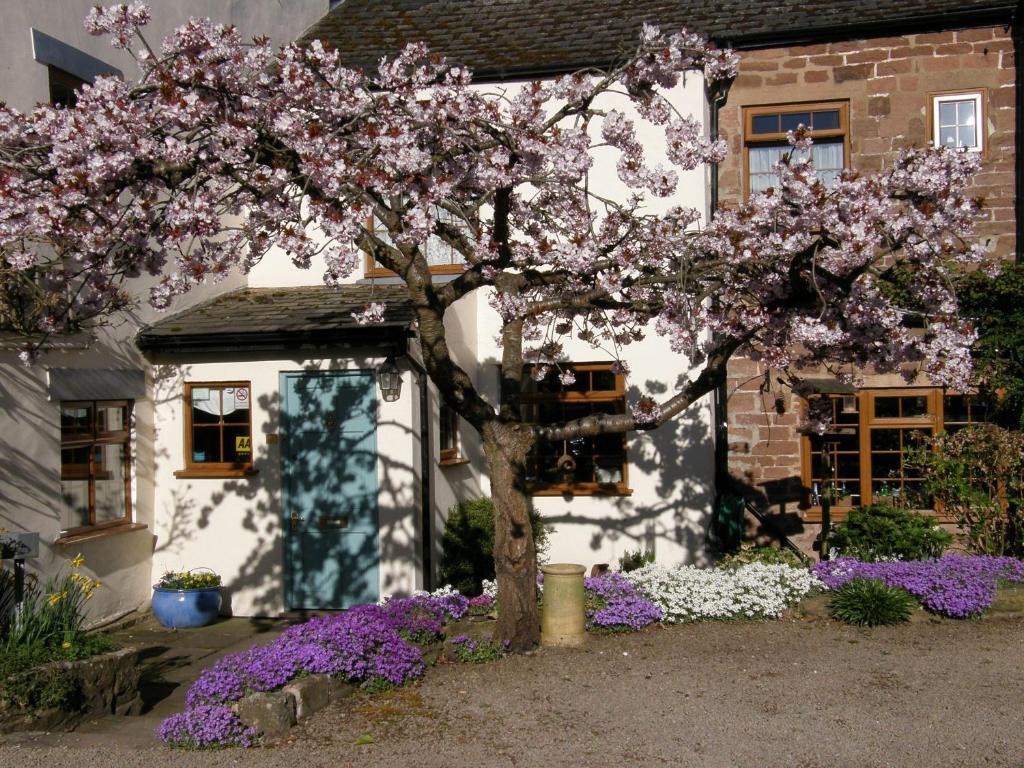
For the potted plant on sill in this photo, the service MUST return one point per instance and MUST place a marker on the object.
(183, 599)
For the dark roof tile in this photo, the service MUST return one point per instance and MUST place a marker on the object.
(517, 37)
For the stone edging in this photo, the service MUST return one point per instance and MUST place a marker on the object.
(273, 714)
(106, 684)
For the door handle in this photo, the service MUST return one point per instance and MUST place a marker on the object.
(329, 522)
(296, 518)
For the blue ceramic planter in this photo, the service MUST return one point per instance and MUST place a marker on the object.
(183, 608)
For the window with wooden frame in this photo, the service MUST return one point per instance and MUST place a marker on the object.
(448, 433)
(95, 464)
(218, 429)
(442, 258)
(958, 120)
(861, 460)
(764, 140)
(64, 87)
(583, 465)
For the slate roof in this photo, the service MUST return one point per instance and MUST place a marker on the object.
(251, 318)
(503, 38)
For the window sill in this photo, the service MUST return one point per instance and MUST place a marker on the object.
(215, 473)
(569, 490)
(838, 514)
(454, 461)
(100, 533)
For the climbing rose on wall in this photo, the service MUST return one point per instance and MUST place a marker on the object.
(224, 151)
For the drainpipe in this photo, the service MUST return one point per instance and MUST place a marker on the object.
(426, 516)
(717, 98)
(1017, 34)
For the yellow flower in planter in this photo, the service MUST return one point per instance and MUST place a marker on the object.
(78, 561)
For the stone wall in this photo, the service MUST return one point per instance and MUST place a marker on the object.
(107, 684)
(888, 84)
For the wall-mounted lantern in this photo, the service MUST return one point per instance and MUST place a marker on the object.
(390, 380)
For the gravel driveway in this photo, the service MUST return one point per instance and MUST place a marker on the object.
(789, 693)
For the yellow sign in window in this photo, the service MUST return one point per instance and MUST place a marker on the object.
(243, 444)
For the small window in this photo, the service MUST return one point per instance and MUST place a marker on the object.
(449, 436)
(218, 429)
(958, 121)
(765, 143)
(95, 463)
(583, 465)
(64, 87)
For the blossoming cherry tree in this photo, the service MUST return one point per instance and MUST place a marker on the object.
(224, 149)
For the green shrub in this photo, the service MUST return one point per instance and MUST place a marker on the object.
(632, 561)
(977, 475)
(23, 684)
(882, 532)
(467, 547)
(766, 555)
(869, 603)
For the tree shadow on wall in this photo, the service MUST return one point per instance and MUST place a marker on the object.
(329, 464)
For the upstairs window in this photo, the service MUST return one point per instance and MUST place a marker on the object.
(958, 121)
(95, 463)
(218, 429)
(442, 258)
(764, 140)
(450, 451)
(581, 465)
(64, 87)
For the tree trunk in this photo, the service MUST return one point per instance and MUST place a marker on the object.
(515, 556)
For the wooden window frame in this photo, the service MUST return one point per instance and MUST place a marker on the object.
(980, 97)
(372, 269)
(452, 455)
(620, 488)
(751, 139)
(88, 471)
(934, 419)
(209, 469)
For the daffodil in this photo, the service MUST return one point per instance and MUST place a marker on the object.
(78, 561)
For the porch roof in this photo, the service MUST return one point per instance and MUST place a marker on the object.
(526, 38)
(283, 318)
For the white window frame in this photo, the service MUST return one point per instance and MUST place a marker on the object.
(979, 115)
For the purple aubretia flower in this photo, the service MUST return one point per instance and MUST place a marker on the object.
(954, 586)
(206, 726)
(615, 604)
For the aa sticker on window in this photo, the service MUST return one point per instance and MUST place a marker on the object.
(243, 444)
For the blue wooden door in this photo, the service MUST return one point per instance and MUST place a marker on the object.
(329, 475)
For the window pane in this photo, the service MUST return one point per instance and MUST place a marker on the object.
(965, 112)
(110, 482)
(205, 405)
(765, 124)
(914, 406)
(235, 404)
(955, 408)
(602, 381)
(947, 113)
(966, 136)
(887, 407)
(76, 420)
(237, 444)
(793, 120)
(947, 136)
(205, 445)
(111, 418)
(885, 439)
(825, 120)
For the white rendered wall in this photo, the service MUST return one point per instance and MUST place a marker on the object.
(234, 525)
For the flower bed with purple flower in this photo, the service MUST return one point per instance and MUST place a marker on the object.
(615, 605)
(955, 585)
(371, 645)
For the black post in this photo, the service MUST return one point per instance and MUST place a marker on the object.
(19, 582)
(826, 500)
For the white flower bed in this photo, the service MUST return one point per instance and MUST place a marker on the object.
(756, 590)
